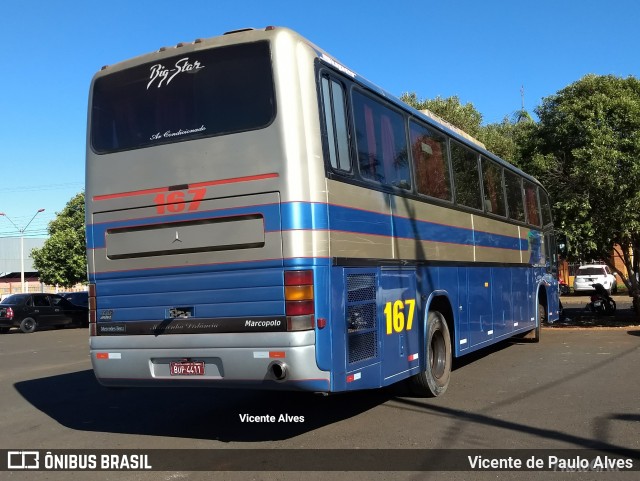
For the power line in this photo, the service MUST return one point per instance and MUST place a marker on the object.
(44, 187)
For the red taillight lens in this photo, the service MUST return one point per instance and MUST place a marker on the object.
(299, 303)
(299, 308)
(294, 278)
(10, 313)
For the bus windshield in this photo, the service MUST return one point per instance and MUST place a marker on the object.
(201, 94)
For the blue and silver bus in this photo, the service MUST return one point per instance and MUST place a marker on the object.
(259, 215)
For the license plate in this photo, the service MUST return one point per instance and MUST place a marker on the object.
(184, 368)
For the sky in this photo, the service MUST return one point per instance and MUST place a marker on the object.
(483, 52)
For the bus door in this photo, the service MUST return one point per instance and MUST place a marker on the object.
(400, 324)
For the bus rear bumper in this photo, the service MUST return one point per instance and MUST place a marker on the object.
(289, 368)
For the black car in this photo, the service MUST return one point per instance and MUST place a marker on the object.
(31, 311)
(80, 298)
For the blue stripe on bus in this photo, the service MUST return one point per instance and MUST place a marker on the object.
(319, 216)
(366, 222)
(304, 216)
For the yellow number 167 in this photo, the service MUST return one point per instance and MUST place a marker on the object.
(397, 318)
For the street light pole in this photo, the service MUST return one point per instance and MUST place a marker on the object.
(21, 243)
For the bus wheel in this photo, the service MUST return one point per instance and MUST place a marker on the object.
(433, 381)
(28, 325)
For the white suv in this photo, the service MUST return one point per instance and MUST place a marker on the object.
(594, 274)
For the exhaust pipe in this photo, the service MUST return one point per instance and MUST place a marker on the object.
(279, 370)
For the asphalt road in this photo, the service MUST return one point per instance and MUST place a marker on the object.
(577, 389)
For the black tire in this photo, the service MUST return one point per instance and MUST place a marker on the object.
(28, 325)
(611, 306)
(434, 380)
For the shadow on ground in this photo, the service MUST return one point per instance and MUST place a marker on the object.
(77, 401)
(575, 314)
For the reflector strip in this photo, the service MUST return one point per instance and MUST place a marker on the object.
(108, 355)
(354, 377)
(515, 324)
(413, 357)
(463, 341)
(269, 355)
(490, 333)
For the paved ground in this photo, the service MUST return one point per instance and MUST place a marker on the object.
(576, 314)
(577, 389)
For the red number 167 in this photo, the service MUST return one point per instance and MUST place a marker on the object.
(175, 202)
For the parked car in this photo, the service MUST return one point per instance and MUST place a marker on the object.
(78, 298)
(28, 312)
(591, 274)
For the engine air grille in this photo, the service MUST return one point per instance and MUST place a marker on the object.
(361, 317)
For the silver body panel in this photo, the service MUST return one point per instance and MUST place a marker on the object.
(229, 358)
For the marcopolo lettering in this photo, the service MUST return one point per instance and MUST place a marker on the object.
(271, 323)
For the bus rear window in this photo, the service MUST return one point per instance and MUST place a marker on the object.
(194, 95)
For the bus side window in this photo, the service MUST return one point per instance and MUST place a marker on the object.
(431, 165)
(335, 117)
(382, 146)
(531, 203)
(545, 207)
(466, 177)
(515, 203)
(493, 190)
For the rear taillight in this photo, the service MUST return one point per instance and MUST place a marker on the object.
(92, 310)
(299, 304)
(9, 313)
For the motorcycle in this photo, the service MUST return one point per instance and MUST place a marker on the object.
(601, 301)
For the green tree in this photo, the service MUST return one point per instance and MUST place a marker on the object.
(62, 259)
(588, 154)
(466, 117)
(511, 140)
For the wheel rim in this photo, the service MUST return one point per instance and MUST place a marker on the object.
(438, 355)
(28, 325)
